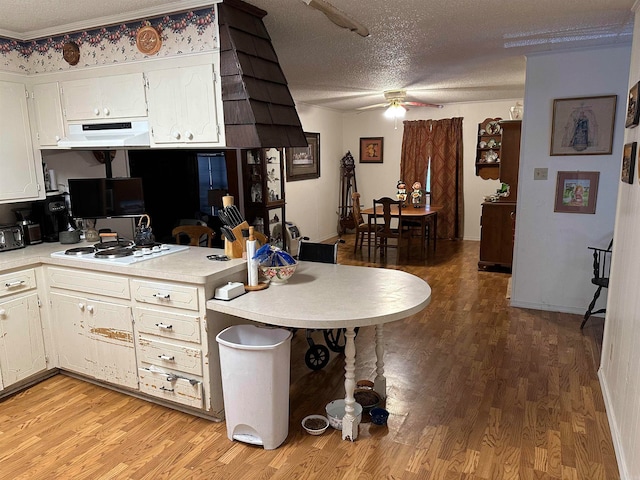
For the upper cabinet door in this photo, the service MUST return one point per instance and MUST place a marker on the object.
(105, 98)
(47, 108)
(183, 108)
(19, 178)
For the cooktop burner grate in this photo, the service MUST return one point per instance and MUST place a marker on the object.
(114, 253)
(113, 244)
(80, 251)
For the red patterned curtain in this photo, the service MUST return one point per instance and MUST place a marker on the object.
(440, 140)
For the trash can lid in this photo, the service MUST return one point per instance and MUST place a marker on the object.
(251, 337)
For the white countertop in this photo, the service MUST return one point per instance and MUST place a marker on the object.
(321, 295)
(191, 266)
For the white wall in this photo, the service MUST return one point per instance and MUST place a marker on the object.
(620, 363)
(552, 265)
(378, 180)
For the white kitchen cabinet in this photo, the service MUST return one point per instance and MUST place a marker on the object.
(170, 351)
(22, 352)
(20, 179)
(47, 109)
(183, 109)
(95, 338)
(104, 98)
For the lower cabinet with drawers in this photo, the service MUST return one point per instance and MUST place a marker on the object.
(22, 351)
(147, 336)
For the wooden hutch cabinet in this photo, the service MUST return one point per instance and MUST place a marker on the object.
(498, 220)
(263, 185)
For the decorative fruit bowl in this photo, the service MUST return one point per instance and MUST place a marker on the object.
(275, 264)
(278, 275)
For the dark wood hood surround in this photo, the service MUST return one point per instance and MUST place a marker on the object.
(259, 110)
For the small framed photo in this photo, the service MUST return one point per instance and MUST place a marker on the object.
(576, 192)
(303, 163)
(583, 126)
(633, 113)
(371, 149)
(628, 162)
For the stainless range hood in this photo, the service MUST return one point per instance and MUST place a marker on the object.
(107, 135)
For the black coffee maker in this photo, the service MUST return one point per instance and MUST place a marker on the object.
(52, 215)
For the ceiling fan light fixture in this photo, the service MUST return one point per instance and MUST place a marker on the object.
(395, 110)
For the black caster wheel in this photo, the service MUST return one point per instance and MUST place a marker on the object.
(335, 339)
(316, 357)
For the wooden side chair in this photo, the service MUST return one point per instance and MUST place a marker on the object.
(601, 266)
(362, 228)
(382, 215)
(197, 234)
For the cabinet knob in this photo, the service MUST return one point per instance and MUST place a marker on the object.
(106, 111)
(58, 138)
(189, 135)
(96, 112)
(90, 308)
(81, 306)
(176, 135)
(3, 312)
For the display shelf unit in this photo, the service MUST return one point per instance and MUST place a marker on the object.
(264, 198)
(488, 148)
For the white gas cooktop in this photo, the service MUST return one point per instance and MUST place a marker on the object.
(137, 255)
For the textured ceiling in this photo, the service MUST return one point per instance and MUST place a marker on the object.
(440, 52)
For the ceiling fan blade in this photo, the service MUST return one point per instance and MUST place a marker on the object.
(338, 17)
(420, 104)
(369, 107)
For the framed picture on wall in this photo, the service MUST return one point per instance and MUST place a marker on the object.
(628, 162)
(576, 192)
(303, 163)
(583, 126)
(371, 149)
(633, 113)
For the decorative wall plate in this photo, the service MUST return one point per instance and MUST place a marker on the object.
(71, 53)
(148, 40)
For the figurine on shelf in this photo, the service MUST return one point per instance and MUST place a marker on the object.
(402, 192)
(416, 194)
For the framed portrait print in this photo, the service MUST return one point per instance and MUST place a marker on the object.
(303, 163)
(633, 113)
(583, 126)
(371, 149)
(628, 162)
(576, 192)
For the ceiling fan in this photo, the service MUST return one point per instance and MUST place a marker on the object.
(338, 17)
(397, 104)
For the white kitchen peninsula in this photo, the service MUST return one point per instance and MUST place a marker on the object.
(331, 296)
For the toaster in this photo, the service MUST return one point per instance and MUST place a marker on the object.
(11, 237)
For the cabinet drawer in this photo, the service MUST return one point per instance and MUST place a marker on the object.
(16, 282)
(170, 355)
(165, 294)
(89, 282)
(172, 388)
(168, 324)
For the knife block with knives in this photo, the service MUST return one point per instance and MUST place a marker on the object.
(234, 224)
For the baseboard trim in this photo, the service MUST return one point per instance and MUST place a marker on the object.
(613, 425)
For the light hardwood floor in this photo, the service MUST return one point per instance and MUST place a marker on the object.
(476, 390)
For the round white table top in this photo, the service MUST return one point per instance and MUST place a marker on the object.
(328, 296)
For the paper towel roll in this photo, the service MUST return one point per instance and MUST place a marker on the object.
(53, 182)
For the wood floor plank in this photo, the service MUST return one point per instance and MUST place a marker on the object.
(477, 390)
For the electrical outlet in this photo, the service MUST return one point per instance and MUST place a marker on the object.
(540, 173)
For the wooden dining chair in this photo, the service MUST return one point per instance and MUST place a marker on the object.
(363, 229)
(195, 234)
(382, 215)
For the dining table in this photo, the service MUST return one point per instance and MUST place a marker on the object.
(423, 215)
(333, 296)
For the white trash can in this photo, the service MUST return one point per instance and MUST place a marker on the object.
(255, 367)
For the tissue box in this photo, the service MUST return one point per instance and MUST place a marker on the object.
(229, 291)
